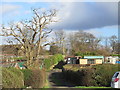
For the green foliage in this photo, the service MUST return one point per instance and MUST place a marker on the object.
(27, 76)
(116, 55)
(52, 60)
(98, 75)
(12, 78)
(90, 87)
(35, 77)
(86, 53)
(16, 78)
(47, 63)
(18, 58)
(103, 73)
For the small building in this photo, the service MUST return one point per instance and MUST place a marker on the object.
(86, 60)
(83, 61)
(72, 60)
(112, 59)
(92, 60)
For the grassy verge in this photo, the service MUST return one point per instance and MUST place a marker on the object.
(90, 87)
(47, 84)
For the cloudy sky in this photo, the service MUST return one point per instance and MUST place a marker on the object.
(98, 18)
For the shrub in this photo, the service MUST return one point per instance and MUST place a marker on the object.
(98, 75)
(116, 55)
(80, 77)
(52, 60)
(16, 78)
(47, 63)
(27, 76)
(103, 73)
(35, 78)
(38, 78)
(85, 53)
(12, 78)
(18, 58)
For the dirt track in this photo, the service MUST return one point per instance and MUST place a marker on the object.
(56, 80)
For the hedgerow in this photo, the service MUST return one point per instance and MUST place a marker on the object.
(12, 78)
(98, 75)
(52, 60)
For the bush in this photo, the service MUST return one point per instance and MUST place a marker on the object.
(52, 60)
(78, 76)
(16, 78)
(47, 63)
(38, 78)
(85, 53)
(98, 75)
(12, 78)
(116, 55)
(18, 58)
(27, 76)
(103, 73)
(35, 78)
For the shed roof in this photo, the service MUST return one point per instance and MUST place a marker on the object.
(93, 57)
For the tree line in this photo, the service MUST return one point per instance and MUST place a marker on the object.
(84, 43)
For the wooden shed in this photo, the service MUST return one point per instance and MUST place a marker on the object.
(92, 60)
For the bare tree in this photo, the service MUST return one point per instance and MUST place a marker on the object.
(60, 39)
(113, 43)
(83, 42)
(31, 34)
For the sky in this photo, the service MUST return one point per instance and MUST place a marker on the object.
(98, 18)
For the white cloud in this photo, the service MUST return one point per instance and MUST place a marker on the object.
(5, 8)
(94, 32)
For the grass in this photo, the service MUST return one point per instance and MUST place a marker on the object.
(18, 58)
(90, 87)
(47, 84)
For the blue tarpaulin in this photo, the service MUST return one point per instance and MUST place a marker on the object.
(118, 62)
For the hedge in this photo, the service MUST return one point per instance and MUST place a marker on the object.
(85, 53)
(34, 77)
(12, 78)
(16, 78)
(98, 75)
(52, 60)
(27, 76)
(38, 79)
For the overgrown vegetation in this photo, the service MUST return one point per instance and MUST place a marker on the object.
(27, 76)
(18, 58)
(98, 75)
(52, 60)
(16, 78)
(86, 53)
(38, 78)
(12, 78)
(91, 87)
(116, 55)
(34, 78)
